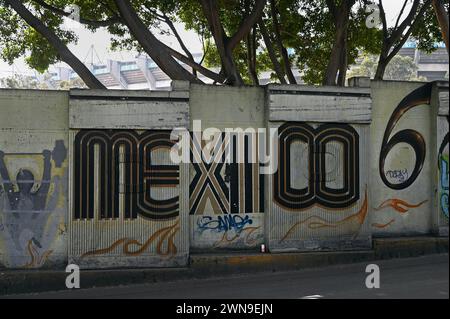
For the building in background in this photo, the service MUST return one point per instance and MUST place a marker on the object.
(142, 73)
(432, 66)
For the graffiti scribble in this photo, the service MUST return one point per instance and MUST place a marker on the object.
(400, 175)
(224, 224)
(399, 205)
(443, 181)
(164, 235)
(246, 235)
(316, 222)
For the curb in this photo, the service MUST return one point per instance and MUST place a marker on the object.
(211, 265)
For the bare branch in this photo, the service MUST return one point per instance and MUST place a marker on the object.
(400, 14)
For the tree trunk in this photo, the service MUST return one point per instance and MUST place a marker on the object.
(343, 65)
(251, 57)
(151, 45)
(224, 48)
(335, 59)
(180, 41)
(64, 53)
(381, 67)
(337, 53)
(232, 72)
(338, 57)
(270, 50)
(225, 45)
(283, 52)
(442, 18)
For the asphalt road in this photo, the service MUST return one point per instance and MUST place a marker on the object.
(423, 277)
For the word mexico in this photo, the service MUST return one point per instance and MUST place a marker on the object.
(126, 165)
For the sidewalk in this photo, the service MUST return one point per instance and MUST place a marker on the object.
(210, 265)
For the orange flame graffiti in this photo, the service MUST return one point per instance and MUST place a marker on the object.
(383, 225)
(164, 234)
(319, 222)
(36, 258)
(399, 205)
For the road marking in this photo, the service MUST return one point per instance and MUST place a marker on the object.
(312, 297)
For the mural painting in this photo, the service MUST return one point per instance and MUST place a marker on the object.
(227, 196)
(318, 189)
(124, 180)
(404, 167)
(33, 188)
(443, 170)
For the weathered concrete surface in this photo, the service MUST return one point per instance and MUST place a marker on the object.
(401, 195)
(401, 247)
(33, 178)
(224, 222)
(204, 266)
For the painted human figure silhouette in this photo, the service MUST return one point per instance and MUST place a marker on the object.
(24, 200)
(25, 212)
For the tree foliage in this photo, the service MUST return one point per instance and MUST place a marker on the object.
(241, 38)
(401, 68)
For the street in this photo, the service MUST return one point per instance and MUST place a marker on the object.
(421, 277)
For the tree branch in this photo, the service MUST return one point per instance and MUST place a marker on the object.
(194, 65)
(94, 23)
(405, 37)
(151, 45)
(400, 14)
(278, 39)
(383, 20)
(271, 51)
(442, 17)
(397, 33)
(247, 23)
(64, 53)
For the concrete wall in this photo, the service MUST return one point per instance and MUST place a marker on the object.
(318, 199)
(33, 178)
(87, 176)
(440, 100)
(403, 166)
(129, 202)
(227, 199)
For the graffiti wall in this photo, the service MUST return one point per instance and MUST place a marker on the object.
(226, 196)
(401, 168)
(319, 194)
(440, 99)
(33, 179)
(128, 202)
(91, 177)
(443, 172)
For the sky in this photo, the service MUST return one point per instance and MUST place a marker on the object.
(101, 42)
